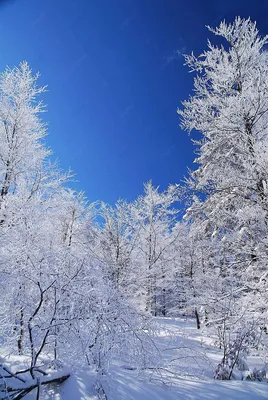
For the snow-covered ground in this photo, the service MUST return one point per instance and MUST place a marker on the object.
(185, 372)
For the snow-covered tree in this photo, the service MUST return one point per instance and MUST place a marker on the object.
(21, 131)
(55, 293)
(229, 108)
(154, 215)
(116, 241)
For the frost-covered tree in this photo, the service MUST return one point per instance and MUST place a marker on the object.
(21, 131)
(56, 297)
(116, 242)
(154, 215)
(230, 109)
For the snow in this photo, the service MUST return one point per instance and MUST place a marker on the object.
(128, 387)
(186, 370)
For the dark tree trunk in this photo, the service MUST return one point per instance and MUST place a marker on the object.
(21, 334)
(197, 318)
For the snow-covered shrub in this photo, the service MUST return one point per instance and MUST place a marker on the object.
(255, 375)
(236, 349)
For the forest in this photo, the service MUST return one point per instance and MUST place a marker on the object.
(82, 285)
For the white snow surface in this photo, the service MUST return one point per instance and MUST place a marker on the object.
(188, 359)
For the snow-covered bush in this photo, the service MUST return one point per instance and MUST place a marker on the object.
(236, 348)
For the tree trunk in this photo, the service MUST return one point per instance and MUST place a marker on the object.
(197, 318)
(21, 333)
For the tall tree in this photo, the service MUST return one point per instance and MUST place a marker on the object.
(230, 109)
(154, 215)
(116, 241)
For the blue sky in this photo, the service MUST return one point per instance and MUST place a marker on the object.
(115, 74)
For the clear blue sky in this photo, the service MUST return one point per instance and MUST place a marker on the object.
(115, 75)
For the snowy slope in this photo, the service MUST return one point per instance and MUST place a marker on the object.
(185, 373)
(126, 386)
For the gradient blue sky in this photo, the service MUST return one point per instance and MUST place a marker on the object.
(115, 73)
